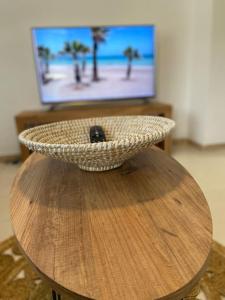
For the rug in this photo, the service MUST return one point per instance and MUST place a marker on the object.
(19, 282)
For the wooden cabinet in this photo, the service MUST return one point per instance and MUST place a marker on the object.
(28, 119)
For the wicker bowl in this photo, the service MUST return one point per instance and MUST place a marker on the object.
(69, 140)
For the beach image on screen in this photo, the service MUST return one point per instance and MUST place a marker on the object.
(91, 63)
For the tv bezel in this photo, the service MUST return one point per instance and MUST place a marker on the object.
(97, 100)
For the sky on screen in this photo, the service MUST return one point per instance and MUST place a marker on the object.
(117, 39)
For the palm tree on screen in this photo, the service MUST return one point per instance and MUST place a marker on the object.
(131, 54)
(45, 55)
(98, 36)
(85, 50)
(74, 49)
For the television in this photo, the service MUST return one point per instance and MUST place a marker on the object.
(94, 63)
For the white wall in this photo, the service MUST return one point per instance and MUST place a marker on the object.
(199, 68)
(215, 125)
(18, 89)
(207, 73)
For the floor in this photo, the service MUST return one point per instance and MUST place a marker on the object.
(206, 166)
(7, 173)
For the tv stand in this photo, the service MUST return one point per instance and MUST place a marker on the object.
(52, 107)
(28, 119)
(146, 100)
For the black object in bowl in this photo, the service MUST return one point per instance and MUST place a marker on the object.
(97, 134)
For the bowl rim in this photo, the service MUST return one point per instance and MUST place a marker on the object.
(124, 142)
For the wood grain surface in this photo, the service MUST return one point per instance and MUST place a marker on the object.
(142, 231)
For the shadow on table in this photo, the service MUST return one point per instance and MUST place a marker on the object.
(149, 176)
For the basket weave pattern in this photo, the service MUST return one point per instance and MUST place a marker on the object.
(69, 140)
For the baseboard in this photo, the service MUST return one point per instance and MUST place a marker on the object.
(184, 141)
(9, 158)
(181, 141)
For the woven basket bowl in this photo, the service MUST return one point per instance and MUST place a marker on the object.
(69, 140)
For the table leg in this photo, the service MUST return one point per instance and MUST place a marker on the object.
(55, 296)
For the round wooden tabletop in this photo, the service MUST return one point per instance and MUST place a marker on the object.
(142, 231)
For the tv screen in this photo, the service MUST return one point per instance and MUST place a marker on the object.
(95, 63)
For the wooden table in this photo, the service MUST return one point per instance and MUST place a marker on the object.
(142, 231)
